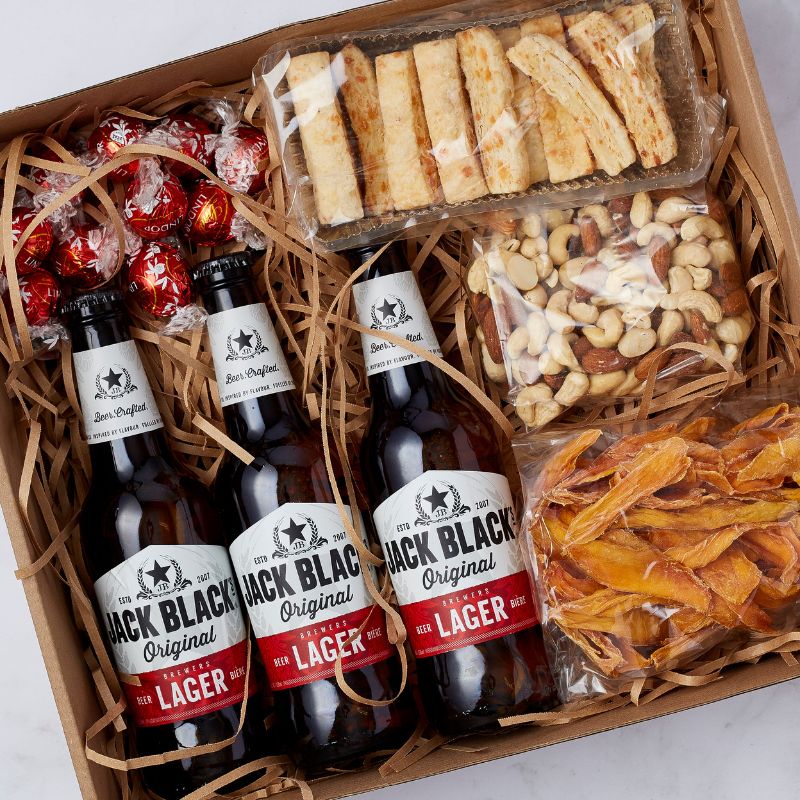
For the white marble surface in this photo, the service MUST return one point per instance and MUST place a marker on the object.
(739, 749)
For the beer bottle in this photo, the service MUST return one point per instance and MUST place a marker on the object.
(298, 571)
(154, 547)
(444, 513)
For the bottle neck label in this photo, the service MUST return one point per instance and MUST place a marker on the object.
(393, 303)
(302, 584)
(116, 398)
(247, 354)
(172, 615)
(450, 542)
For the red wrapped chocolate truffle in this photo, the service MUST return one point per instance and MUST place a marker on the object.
(159, 280)
(40, 296)
(155, 203)
(239, 152)
(188, 134)
(86, 256)
(114, 132)
(37, 246)
(208, 220)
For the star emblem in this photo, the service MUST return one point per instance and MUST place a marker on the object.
(387, 309)
(158, 573)
(436, 499)
(294, 532)
(244, 340)
(112, 379)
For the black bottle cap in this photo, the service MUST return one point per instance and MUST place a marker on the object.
(92, 305)
(222, 269)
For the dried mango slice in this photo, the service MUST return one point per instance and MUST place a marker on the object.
(775, 462)
(701, 553)
(649, 472)
(560, 582)
(719, 515)
(732, 576)
(769, 417)
(698, 429)
(559, 467)
(774, 549)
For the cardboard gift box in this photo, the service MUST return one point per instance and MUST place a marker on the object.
(769, 200)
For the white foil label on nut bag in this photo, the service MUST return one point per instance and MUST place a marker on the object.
(116, 398)
(450, 543)
(248, 358)
(393, 303)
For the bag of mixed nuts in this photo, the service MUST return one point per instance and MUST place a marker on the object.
(585, 305)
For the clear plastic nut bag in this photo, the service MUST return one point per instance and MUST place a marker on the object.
(584, 305)
(652, 545)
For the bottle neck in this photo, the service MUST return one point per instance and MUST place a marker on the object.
(265, 416)
(111, 388)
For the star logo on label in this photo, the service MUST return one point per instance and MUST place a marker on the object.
(243, 340)
(294, 532)
(113, 382)
(436, 499)
(388, 313)
(113, 378)
(158, 573)
(388, 309)
(436, 504)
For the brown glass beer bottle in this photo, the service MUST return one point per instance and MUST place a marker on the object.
(154, 547)
(298, 571)
(445, 517)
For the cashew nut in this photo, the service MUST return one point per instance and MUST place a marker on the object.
(600, 385)
(691, 253)
(532, 247)
(653, 229)
(510, 245)
(495, 260)
(532, 226)
(538, 331)
(544, 266)
(674, 209)
(702, 302)
(611, 258)
(731, 352)
(671, 323)
(701, 277)
(559, 240)
(522, 272)
(734, 330)
(571, 270)
(554, 218)
(585, 313)
(608, 329)
(636, 318)
(575, 386)
(557, 312)
(525, 370)
(535, 405)
(631, 384)
(641, 210)
(552, 279)
(517, 342)
(559, 346)
(695, 227)
(494, 372)
(722, 252)
(636, 342)
(601, 215)
(621, 282)
(548, 365)
(537, 296)
(478, 276)
(680, 280)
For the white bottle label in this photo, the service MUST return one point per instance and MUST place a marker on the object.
(450, 542)
(116, 398)
(393, 303)
(302, 584)
(172, 615)
(247, 354)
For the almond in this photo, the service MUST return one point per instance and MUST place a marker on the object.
(735, 304)
(488, 322)
(627, 245)
(717, 289)
(581, 346)
(590, 236)
(683, 364)
(730, 276)
(621, 205)
(643, 367)
(590, 282)
(555, 382)
(660, 257)
(701, 332)
(716, 209)
(601, 360)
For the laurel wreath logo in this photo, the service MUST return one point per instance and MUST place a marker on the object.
(400, 319)
(458, 509)
(178, 583)
(255, 350)
(314, 543)
(104, 394)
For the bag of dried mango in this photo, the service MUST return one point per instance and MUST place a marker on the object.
(654, 543)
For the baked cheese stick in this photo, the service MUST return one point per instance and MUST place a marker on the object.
(566, 149)
(491, 92)
(605, 43)
(449, 120)
(324, 139)
(563, 77)
(413, 179)
(360, 93)
(527, 112)
(640, 23)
